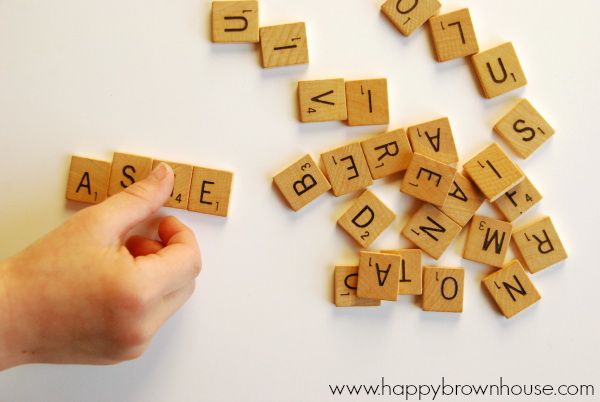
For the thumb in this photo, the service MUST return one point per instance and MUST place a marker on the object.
(124, 211)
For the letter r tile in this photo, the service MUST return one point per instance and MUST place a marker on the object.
(540, 245)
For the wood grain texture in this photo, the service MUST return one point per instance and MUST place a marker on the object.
(378, 276)
(347, 169)
(210, 191)
(518, 200)
(88, 180)
(488, 241)
(235, 21)
(524, 129)
(434, 140)
(464, 200)
(540, 245)
(411, 271)
(284, 45)
(302, 183)
(512, 289)
(409, 15)
(345, 282)
(428, 180)
(366, 219)
(493, 172)
(367, 102)
(387, 153)
(443, 289)
(126, 170)
(499, 70)
(431, 230)
(323, 100)
(180, 195)
(454, 35)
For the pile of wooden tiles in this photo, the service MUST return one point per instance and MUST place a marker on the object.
(196, 189)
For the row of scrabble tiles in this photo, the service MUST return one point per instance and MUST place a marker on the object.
(195, 188)
(385, 275)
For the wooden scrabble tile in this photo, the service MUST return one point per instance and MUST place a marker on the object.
(524, 129)
(434, 139)
(302, 182)
(428, 180)
(366, 219)
(431, 230)
(387, 153)
(345, 283)
(378, 276)
(323, 100)
(493, 172)
(367, 102)
(464, 199)
(126, 170)
(408, 15)
(210, 191)
(454, 35)
(443, 289)
(347, 169)
(499, 70)
(88, 180)
(518, 200)
(411, 271)
(284, 45)
(235, 21)
(539, 245)
(512, 289)
(488, 241)
(181, 188)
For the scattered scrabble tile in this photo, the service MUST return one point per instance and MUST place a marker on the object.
(387, 153)
(126, 170)
(512, 289)
(347, 169)
(181, 188)
(235, 21)
(540, 245)
(518, 200)
(454, 35)
(378, 276)
(367, 102)
(493, 172)
(464, 199)
(488, 241)
(428, 180)
(408, 15)
(88, 180)
(524, 129)
(210, 191)
(411, 271)
(323, 100)
(499, 70)
(284, 45)
(434, 139)
(302, 182)
(366, 219)
(431, 230)
(345, 283)
(443, 289)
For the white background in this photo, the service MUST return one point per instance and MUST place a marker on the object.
(89, 78)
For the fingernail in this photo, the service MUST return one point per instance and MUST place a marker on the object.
(160, 172)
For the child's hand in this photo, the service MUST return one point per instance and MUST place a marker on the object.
(78, 295)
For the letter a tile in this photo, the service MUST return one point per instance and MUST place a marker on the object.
(347, 169)
(126, 170)
(464, 199)
(235, 21)
(434, 139)
(284, 45)
(302, 183)
(345, 283)
(411, 271)
(366, 219)
(443, 289)
(428, 180)
(378, 276)
(88, 180)
(499, 70)
(488, 241)
(387, 153)
(540, 245)
(454, 35)
(408, 15)
(210, 191)
(512, 289)
(367, 102)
